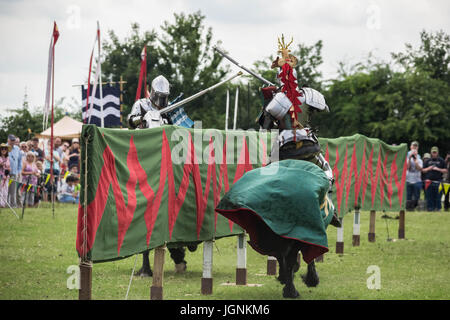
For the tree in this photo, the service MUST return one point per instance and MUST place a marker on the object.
(432, 57)
(25, 122)
(411, 103)
(190, 63)
(182, 53)
(123, 59)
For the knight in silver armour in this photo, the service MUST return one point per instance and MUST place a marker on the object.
(145, 112)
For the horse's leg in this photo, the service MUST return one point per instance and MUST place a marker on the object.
(145, 270)
(311, 279)
(282, 269)
(177, 255)
(289, 290)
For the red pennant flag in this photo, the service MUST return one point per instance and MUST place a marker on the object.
(55, 33)
(142, 75)
(427, 184)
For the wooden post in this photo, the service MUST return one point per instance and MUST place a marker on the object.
(401, 225)
(340, 238)
(85, 291)
(156, 290)
(207, 280)
(241, 269)
(271, 266)
(372, 226)
(356, 228)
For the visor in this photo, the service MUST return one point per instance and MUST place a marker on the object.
(159, 99)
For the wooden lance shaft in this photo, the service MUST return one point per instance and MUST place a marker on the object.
(271, 266)
(372, 226)
(401, 225)
(156, 290)
(85, 291)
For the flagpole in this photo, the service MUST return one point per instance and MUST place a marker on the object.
(55, 38)
(236, 108)
(227, 109)
(100, 76)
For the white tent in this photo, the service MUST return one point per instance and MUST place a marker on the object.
(66, 128)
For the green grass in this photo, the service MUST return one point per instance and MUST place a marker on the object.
(35, 253)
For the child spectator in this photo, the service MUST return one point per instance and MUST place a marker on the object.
(68, 194)
(4, 173)
(40, 183)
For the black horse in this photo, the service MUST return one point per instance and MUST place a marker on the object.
(286, 251)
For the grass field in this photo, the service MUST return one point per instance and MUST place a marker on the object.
(35, 253)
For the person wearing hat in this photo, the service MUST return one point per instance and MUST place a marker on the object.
(37, 151)
(434, 169)
(4, 173)
(74, 154)
(413, 176)
(15, 161)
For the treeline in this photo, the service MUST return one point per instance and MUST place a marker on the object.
(404, 99)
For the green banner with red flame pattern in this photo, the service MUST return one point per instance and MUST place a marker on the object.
(369, 174)
(150, 187)
(141, 189)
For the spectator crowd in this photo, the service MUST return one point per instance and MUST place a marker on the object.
(430, 174)
(25, 171)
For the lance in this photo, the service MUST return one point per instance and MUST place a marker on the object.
(257, 76)
(198, 94)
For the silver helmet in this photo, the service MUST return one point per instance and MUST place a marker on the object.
(159, 94)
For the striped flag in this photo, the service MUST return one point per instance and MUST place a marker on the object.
(97, 77)
(50, 70)
(111, 106)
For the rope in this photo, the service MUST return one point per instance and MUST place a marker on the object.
(131, 277)
(84, 231)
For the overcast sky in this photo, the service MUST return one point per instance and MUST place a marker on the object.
(248, 29)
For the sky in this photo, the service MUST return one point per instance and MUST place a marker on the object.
(248, 30)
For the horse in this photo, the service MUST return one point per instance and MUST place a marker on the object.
(286, 251)
(282, 213)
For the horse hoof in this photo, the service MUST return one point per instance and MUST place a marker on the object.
(192, 247)
(144, 273)
(291, 293)
(310, 281)
(180, 267)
